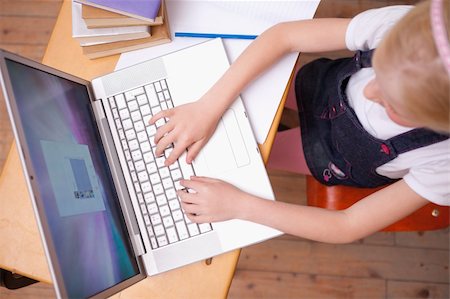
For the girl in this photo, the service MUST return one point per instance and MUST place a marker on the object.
(380, 117)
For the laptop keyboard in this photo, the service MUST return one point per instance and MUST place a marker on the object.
(154, 183)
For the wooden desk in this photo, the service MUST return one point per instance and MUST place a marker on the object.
(21, 249)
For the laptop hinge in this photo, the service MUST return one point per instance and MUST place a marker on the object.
(97, 87)
(122, 191)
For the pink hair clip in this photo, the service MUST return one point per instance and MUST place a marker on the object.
(440, 32)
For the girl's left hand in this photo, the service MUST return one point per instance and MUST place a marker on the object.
(210, 200)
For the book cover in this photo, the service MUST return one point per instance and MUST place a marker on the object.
(95, 17)
(160, 35)
(103, 35)
(139, 9)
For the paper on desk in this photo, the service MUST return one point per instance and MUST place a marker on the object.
(262, 96)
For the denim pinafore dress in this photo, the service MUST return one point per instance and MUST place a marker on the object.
(338, 150)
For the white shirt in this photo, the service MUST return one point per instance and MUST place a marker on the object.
(426, 170)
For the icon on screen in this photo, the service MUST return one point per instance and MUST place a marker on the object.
(73, 178)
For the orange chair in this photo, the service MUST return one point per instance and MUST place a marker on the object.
(429, 217)
(284, 156)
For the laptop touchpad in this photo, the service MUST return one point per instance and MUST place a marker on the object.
(226, 149)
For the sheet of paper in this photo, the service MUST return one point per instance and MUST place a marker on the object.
(262, 97)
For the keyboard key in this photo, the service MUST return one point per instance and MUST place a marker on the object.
(154, 178)
(160, 122)
(164, 172)
(112, 103)
(136, 155)
(151, 167)
(121, 134)
(130, 134)
(161, 97)
(140, 166)
(158, 87)
(148, 157)
(167, 183)
(161, 199)
(162, 240)
(204, 227)
(145, 147)
(143, 209)
(176, 174)
(143, 176)
(120, 100)
(118, 124)
(127, 124)
(154, 243)
(182, 231)
(115, 113)
(151, 130)
(147, 220)
(146, 187)
(177, 215)
(151, 94)
(133, 105)
(142, 136)
(134, 176)
(145, 109)
(168, 222)
(166, 95)
(124, 114)
(164, 210)
(127, 155)
(174, 204)
(142, 99)
(135, 116)
(133, 145)
(193, 229)
(156, 219)
(159, 230)
(140, 198)
(172, 235)
(152, 208)
(149, 198)
(171, 193)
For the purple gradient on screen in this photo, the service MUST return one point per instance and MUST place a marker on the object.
(93, 248)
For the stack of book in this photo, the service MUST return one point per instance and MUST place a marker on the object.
(108, 27)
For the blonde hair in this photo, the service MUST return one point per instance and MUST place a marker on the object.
(410, 52)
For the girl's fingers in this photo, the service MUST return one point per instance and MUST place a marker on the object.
(164, 143)
(203, 179)
(193, 151)
(168, 127)
(178, 149)
(160, 114)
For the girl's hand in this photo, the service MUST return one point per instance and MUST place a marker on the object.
(189, 126)
(210, 200)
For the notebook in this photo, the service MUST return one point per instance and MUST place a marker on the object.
(104, 202)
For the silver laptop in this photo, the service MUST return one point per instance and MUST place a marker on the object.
(106, 205)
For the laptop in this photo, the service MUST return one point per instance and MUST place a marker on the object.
(106, 206)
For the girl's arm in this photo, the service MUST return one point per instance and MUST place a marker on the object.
(216, 200)
(300, 36)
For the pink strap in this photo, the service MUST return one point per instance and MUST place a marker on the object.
(440, 32)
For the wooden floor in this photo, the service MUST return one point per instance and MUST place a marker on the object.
(385, 265)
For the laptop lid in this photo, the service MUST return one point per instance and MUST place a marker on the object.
(79, 215)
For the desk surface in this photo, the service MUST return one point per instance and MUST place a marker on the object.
(21, 250)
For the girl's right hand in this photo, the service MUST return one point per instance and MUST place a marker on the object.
(188, 126)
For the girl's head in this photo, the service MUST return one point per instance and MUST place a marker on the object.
(411, 81)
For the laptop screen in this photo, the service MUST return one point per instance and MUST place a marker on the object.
(81, 207)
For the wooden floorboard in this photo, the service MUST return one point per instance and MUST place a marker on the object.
(384, 265)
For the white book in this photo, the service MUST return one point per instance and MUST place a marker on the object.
(88, 36)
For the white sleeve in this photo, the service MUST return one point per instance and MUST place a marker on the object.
(367, 29)
(431, 181)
